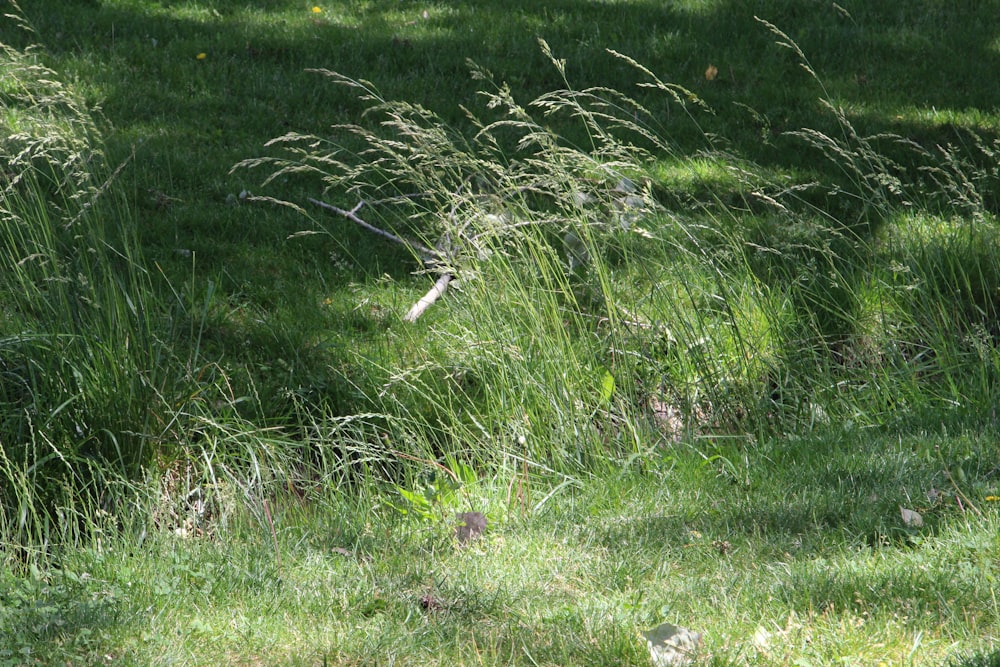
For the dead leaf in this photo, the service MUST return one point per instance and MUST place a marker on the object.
(910, 518)
(430, 603)
(711, 72)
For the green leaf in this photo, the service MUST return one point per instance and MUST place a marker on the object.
(464, 472)
(417, 504)
(607, 386)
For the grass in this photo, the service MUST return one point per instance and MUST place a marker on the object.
(712, 543)
(700, 365)
(80, 387)
(190, 120)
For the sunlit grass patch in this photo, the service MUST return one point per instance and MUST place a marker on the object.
(708, 179)
(949, 123)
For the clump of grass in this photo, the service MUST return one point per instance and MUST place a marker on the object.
(80, 390)
(554, 245)
(903, 301)
(513, 212)
(591, 304)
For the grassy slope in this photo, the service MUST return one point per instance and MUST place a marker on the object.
(288, 310)
(816, 549)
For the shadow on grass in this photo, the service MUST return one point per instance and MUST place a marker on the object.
(193, 118)
(806, 496)
(986, 659)
(887, 57)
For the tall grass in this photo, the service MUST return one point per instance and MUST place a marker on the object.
(79, 398)
(902, 294)
(526, 353)
(602, 309)
(610, 296)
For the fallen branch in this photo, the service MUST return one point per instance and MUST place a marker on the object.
(425, 253)
(427, 300)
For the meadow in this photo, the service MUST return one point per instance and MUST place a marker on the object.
(718, 348)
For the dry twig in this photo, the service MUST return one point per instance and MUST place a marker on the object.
(427, 255)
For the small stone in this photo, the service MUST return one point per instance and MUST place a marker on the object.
(672, 645)
(911, 518)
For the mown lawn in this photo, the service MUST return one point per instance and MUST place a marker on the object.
(781, 553)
